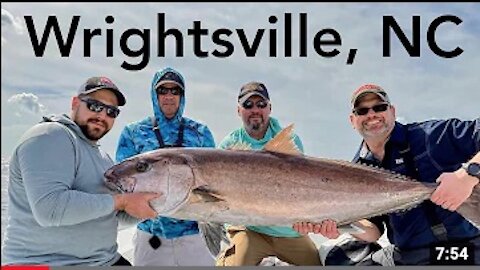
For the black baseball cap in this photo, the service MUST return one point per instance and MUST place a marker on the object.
(253, 89)
(97, 83)
(171, 77)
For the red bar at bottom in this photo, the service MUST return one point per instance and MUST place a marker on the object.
(25, 267)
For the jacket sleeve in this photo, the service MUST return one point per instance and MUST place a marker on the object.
(208, 140)
(47, 165)
(125, 146)
(469, 131)
(458, 137)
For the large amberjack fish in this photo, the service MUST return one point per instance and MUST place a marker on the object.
(274, 186)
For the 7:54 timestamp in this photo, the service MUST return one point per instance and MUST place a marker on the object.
(452, 254)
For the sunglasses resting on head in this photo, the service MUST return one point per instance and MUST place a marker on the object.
(381, 107)
(261, 104)
(97, 106)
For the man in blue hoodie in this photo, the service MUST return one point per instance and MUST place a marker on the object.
(251, 244)
(60, 212)
(166, 241)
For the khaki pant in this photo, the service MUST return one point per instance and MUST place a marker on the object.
(249, 248)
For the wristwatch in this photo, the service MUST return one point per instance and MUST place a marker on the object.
(472, 168)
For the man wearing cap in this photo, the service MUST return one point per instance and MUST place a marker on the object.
(251, 244)
(443, 151)
(166, 241)
(60, 212)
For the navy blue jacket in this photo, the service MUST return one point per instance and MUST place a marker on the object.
(437, 146)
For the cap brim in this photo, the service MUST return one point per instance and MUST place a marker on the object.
(168, 81)
(120, 97)
(247, 96)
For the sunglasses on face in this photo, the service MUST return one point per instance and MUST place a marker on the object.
(97, 106)
(176, 91)
(261, 104)
(376, 108)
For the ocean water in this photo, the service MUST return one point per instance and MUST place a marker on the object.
(4, 196)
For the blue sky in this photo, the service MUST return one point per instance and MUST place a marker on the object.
(312, 92)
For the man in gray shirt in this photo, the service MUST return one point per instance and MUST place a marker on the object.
(60, 212)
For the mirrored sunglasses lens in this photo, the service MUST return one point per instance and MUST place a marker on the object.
(175, 91)
(162, 91)
(248, 104)
(113, 112)
(261, 104)
(95, 107)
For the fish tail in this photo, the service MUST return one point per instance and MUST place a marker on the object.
(470, 209)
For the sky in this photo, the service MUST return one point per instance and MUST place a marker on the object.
(312, 92)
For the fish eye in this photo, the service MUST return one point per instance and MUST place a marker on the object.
(142, 166)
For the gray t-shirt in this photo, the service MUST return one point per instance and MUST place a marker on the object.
(60, 212)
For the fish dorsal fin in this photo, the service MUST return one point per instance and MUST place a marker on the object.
(283, 143)
(373, 169)
(240, 146)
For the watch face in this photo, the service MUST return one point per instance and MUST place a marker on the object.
(474, 169)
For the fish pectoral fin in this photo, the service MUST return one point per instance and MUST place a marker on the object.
(203, 194)
(283, 143)
(214, 234)
(469, 208)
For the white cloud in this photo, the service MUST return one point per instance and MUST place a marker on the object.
(312, 91)
(27, 103)
(11, 22)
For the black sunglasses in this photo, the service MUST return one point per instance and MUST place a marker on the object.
(97, 106)
(376, 108)
(261, 104)
(176, 91)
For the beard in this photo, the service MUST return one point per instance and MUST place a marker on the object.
(93, 133)
(381, 132)
(256, 125)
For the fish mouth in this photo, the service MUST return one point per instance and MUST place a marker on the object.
(125, 186)
(114, 187)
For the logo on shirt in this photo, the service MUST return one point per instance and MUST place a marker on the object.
(399, 161)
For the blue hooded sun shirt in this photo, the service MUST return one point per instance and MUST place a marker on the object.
(139, 137)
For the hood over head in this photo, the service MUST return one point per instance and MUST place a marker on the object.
(156, 107)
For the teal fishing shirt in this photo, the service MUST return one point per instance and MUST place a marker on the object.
(241, 136)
